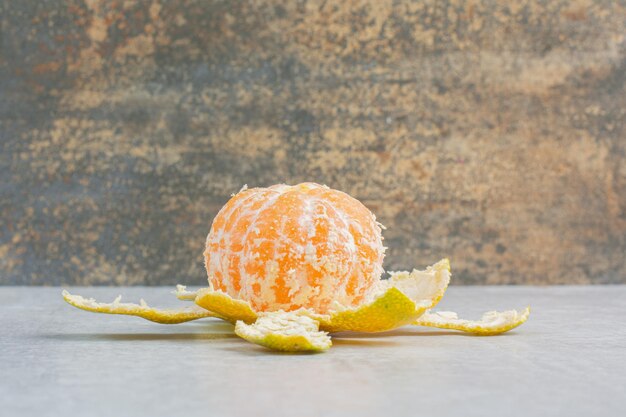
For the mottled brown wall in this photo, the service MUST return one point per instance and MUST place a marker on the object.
(489, 132)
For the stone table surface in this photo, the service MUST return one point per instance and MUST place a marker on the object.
(568, 359)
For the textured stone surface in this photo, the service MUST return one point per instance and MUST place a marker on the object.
(569, 359)
(488, 132)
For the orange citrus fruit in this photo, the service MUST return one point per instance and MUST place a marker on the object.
(273, 251)
(287, 247)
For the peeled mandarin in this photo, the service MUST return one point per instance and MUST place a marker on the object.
(290, 247)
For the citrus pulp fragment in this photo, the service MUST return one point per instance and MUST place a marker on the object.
(492, 322)
(143, 310)
(285, 331)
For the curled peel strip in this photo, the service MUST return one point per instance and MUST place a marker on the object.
(491, 323)
(404, 298)
(425, 288)
(143, 310)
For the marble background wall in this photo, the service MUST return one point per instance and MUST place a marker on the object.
(491, 132)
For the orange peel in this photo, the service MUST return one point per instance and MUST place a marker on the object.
(285, 331)
(143, 310)
(406, 297)
(491, 323)
(289, 265)
(225, 306)
(182, 294)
